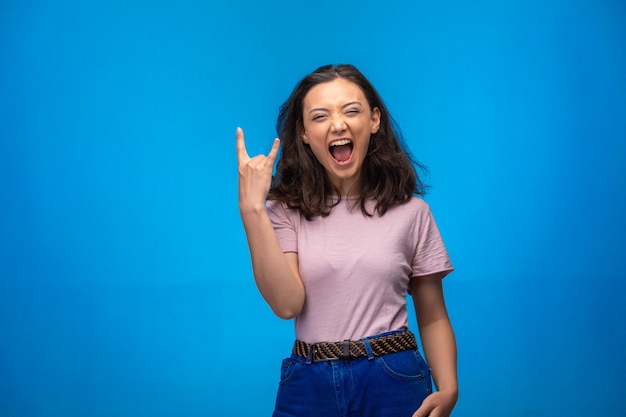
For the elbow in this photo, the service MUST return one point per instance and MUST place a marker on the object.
(288, 306)
(288, 311)
(285, 315)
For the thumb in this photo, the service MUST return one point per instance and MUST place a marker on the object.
(424, 410)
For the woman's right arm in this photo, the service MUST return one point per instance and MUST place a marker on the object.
(275, 272)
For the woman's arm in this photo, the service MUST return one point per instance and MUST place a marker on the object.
(276, 273)
(439, 345)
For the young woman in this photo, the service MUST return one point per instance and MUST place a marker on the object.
(337, 238)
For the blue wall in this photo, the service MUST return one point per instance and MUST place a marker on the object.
(125, 282)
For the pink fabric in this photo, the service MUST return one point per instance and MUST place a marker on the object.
(356, 269)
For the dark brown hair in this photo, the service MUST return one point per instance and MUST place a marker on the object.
(388, 174)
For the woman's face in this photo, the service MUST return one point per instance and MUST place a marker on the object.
(338, 123)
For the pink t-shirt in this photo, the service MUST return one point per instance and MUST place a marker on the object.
(356, 269)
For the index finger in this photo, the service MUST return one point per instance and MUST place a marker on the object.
(241, 145)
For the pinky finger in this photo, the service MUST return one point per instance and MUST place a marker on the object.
(274, 151)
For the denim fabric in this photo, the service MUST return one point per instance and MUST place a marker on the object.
(392, 385)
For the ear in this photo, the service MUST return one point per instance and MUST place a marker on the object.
(304, 136)
(375, 120)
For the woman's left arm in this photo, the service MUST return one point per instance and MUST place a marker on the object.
(438, 343)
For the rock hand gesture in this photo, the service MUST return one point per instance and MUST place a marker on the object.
(255, 175)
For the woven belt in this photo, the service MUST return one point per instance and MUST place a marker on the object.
(323, 351)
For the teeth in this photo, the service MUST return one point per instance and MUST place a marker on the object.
(340, 142)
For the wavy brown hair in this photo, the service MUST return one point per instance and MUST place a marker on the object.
(389, 174)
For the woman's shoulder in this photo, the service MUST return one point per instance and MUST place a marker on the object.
(417, 204)
(275, 204)
(279, 209)
(411, 210)
(278, 206)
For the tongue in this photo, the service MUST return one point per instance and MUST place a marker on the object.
(341, 153)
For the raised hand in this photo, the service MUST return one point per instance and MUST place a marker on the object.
(255, 175)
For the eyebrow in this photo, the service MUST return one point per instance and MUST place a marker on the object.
(343, 107)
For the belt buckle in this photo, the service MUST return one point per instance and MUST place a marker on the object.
(313, 353)
(345, 352)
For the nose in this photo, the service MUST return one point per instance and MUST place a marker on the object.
(338, 124)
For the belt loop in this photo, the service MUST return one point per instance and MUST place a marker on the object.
(368, 349)
(345, 349)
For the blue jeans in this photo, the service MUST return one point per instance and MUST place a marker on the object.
(392, 385)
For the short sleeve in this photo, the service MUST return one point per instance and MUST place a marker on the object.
(284, 225)
(431, 255)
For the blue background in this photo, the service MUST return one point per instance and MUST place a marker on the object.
(125, 281)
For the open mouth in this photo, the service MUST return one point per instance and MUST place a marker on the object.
(341, 150)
